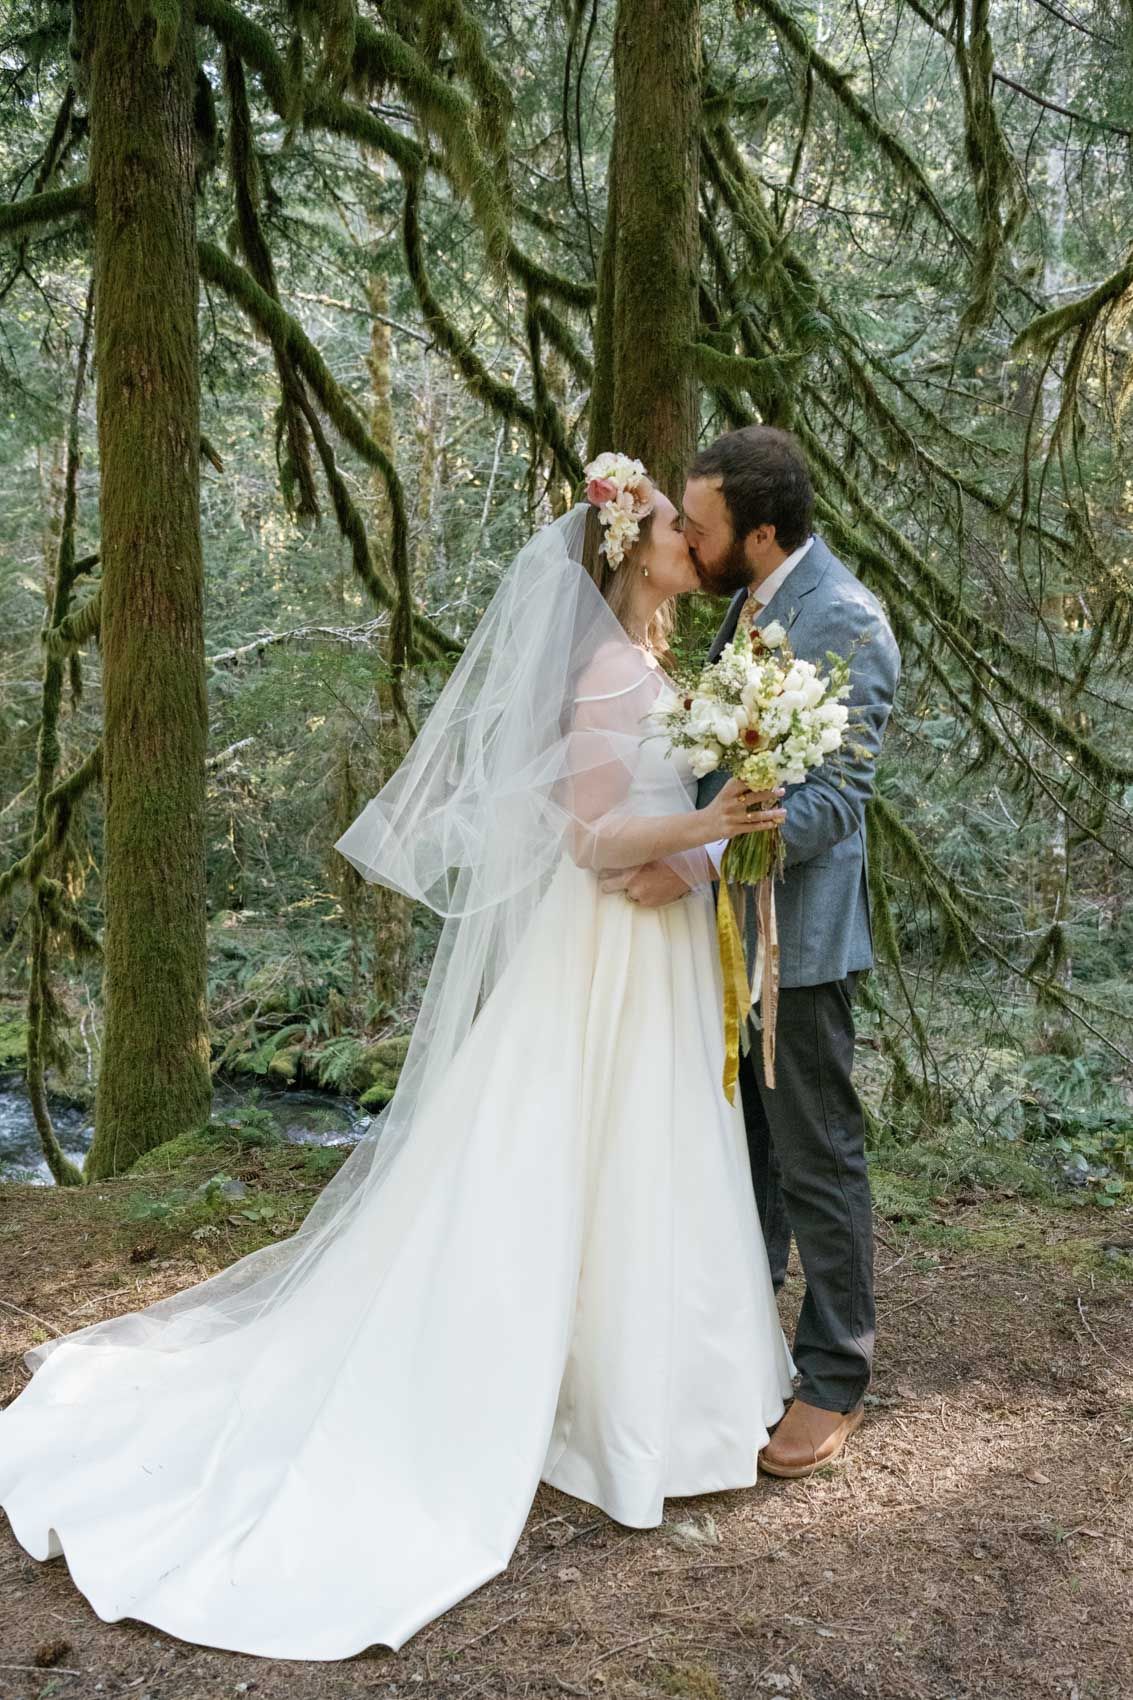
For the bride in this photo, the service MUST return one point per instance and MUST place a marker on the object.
(543, 1263)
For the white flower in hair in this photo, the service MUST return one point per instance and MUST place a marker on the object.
(620, 488)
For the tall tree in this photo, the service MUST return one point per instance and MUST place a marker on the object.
(155, 1078)
(647, 396)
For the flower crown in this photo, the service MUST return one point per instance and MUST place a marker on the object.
(621, 490)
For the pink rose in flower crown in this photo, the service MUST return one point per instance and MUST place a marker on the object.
(621, 490)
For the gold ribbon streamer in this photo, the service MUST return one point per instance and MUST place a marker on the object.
(769, 989)
(737, 992)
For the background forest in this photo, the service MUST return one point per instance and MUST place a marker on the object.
(912, 234)
(398, 269)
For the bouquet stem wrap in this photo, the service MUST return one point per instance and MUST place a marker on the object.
(751, 860)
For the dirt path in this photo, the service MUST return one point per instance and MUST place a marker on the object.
(975, 1543)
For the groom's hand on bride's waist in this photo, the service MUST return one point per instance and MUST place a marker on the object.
(652, 886)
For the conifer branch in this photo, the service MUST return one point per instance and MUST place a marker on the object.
(50, 206)
(500, 397)
(1049, 328)
(282, 330)
(296, 474)
(839, 84)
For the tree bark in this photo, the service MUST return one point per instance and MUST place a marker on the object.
(393, 914)
(154, 1082)
(653, 250)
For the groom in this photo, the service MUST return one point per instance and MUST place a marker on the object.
(748, 505)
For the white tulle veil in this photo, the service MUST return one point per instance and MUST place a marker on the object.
(537, 748)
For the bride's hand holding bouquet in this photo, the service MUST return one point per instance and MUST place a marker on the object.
(767, 719)
(736, 811)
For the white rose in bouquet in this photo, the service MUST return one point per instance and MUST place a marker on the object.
(703, 759)
(760, 712)
(702, 716)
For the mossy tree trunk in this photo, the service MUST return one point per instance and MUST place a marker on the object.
(645, 391)
(154, 1081)
(393, 935)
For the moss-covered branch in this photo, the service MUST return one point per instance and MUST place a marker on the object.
(59, 806)
(1049, 328)
(254, 45)
(77, 628)
(296, 473)
(383, 58)
(50, 207)
(998, 183)
(279, 328)
(500, 397)
(492, 90)
(839, 84)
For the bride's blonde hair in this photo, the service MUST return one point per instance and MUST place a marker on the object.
(616, 583)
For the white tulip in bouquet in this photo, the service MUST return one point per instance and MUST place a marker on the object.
(766, 718)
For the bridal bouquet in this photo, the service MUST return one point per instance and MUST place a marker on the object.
(766, 718)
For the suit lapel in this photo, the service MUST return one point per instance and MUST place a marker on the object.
(799, 582)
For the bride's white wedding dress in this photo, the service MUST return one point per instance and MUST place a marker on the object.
(561, 1277)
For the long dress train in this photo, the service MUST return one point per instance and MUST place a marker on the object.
(562, 1277)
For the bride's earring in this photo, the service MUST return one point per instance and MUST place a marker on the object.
(645, 572)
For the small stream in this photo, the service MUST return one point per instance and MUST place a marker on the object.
(307, 1118)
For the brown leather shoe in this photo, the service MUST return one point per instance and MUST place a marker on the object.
(807, 1439)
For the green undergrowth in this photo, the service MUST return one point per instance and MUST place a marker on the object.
(1021, 1102)
(13, 1041)
(297, 1055)
(1006, 1212)
(236, 1179)
(933, 1196)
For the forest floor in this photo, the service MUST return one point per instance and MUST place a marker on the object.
(975, 1541)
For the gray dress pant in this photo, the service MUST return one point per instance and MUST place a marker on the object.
(806, 1141)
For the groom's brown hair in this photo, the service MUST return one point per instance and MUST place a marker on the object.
(764, 481)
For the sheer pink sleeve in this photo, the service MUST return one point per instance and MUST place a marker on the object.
(624, 797)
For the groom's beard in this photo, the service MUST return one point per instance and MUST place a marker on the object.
(730, 573)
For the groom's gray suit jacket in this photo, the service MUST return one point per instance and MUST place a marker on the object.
(822, 901)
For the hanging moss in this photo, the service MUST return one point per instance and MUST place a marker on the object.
(1000, 193)
(500, 397)
(296, 474)
(899, 157)
(491, 89)
(385, 58)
